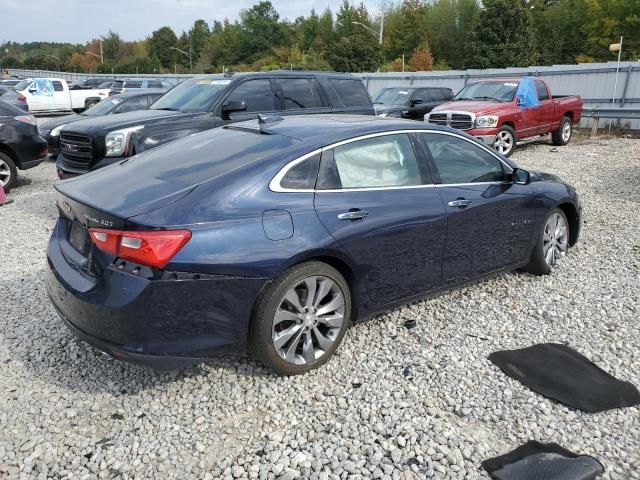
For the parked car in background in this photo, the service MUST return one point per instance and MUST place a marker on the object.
(53, 95)
(9, 83)
(86, 84)
(10, 96)
(205, 102)
(491, 111)
(409, 102)
(21, 147)
(277, 234)
(123, 85)
(121, 103)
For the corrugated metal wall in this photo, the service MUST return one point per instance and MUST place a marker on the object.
(594, 82)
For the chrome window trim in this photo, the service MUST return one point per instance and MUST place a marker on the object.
(274, 184)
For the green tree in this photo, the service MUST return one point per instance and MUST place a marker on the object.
(356, 48)
(558, 27)
(261, 31)
(607, 21)
(405, 28)
(160, 45)
(112, 46)
(503, 36)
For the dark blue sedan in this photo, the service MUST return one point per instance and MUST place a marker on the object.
(277, 234)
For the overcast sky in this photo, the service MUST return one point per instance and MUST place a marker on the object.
(78, 21)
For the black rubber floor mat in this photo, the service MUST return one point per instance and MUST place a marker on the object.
(560, 373)
(543, 461)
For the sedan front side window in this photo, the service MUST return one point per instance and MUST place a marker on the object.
(461, 161)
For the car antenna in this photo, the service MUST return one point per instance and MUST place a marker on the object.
(265, 119)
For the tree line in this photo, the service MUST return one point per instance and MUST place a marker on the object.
(418, 35)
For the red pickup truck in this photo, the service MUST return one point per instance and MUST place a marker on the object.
(494, 111)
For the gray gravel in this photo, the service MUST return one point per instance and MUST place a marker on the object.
(395, 403)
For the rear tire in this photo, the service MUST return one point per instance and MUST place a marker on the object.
(563, 134)
(8, 172)
(552, 244)
(90, 104)
(292, 339)
(505, 141)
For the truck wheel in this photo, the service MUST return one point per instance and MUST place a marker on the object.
(505, 141)
(8, 172)
(90, 104)
(562, 135)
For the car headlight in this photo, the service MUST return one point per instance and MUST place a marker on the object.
(117, 142)
(487, 121)
(56, 131)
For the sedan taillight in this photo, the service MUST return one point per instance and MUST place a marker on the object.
(151, 248)
(30, 119)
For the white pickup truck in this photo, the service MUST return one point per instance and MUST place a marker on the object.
(53, 95)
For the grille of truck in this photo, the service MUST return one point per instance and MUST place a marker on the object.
(77, 150)
(460, 121)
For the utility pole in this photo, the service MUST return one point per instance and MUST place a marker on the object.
(190, 53)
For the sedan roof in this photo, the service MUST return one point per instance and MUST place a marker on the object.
(333, 128)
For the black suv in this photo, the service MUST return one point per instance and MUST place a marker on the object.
(410, 102)
(20, 145)
(202, 103)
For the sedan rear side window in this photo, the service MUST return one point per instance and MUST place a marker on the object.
(460, 161)
(384, 161)
(300, 93)
(303, 175)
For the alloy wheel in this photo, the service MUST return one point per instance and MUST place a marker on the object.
(555, 241)
(308, 320)
(566, 132)
(503, 142)
(5, 173)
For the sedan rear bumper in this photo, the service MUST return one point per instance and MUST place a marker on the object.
(169, 322)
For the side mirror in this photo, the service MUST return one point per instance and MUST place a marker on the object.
(416, 101)
(520, 176)
(234, 106)
(520, 100)
(33, 89)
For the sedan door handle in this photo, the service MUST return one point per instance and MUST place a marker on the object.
(352, 215)
(460, 203)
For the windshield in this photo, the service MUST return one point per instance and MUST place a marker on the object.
(103, 107)
(194, 95)
(500, 91)
(22, 85)
(393, 96)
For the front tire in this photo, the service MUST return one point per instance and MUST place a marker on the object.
(562, 135)
(552, 244)
(8, 172)
(300, 319)
(505, 141)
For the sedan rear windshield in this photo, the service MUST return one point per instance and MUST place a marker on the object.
(194, 95)
(22, 85)
(393, 96)
(500, 91)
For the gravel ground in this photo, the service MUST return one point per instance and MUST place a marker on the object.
(394, 403)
